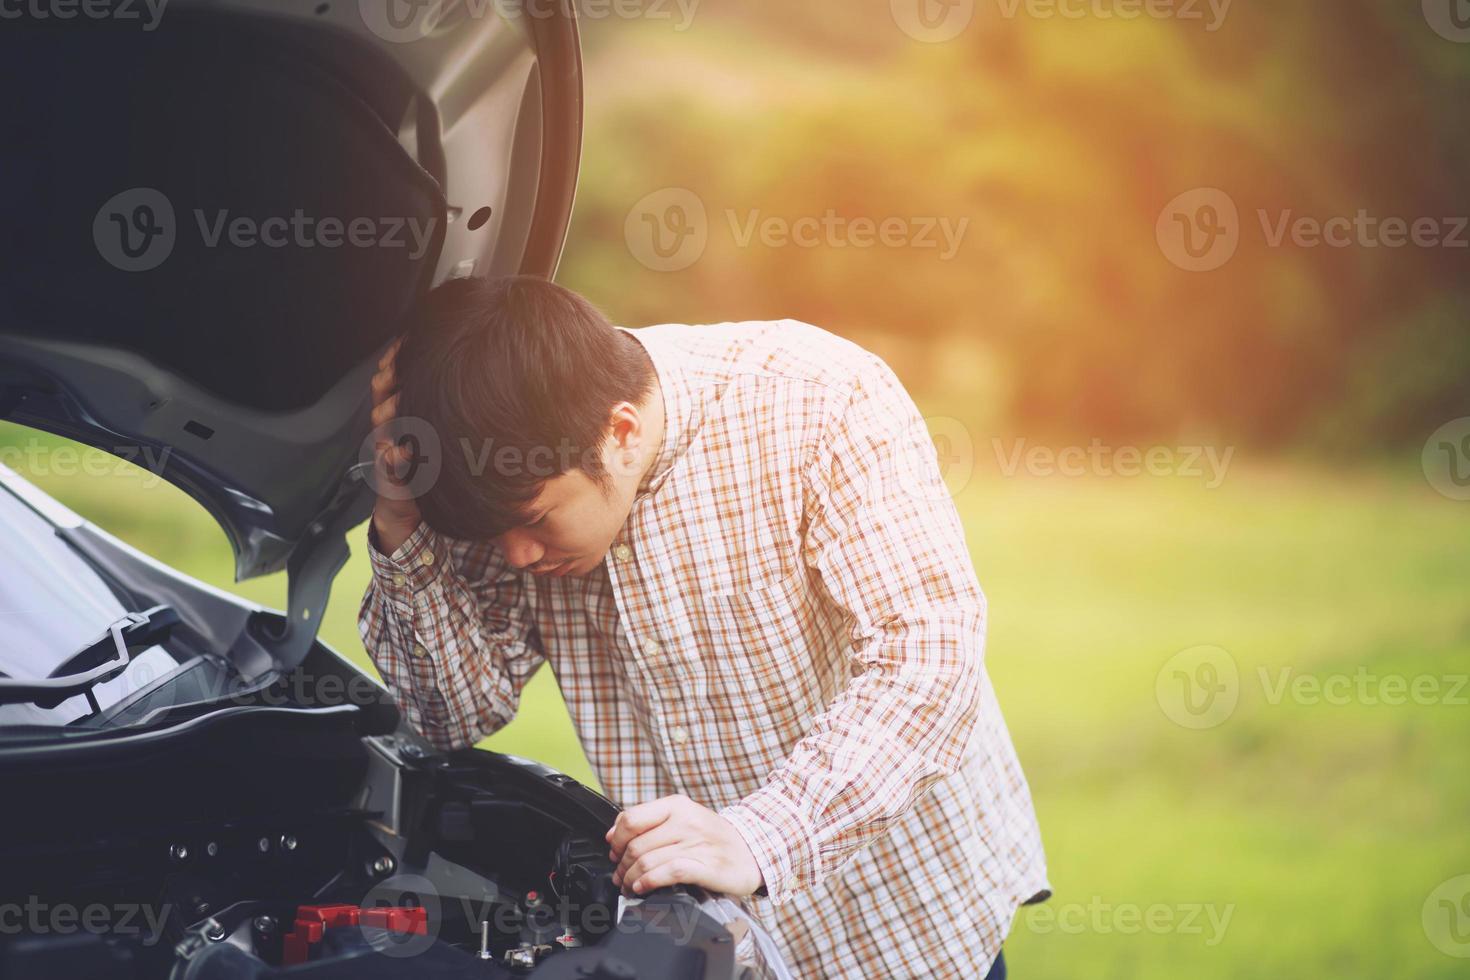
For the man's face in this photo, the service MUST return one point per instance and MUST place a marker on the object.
(573, 523)
(574, 520)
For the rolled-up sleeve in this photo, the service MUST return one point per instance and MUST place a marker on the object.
(886, 544)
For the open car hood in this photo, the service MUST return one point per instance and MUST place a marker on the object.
(219, 221)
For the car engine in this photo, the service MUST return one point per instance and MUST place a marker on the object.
(267, 840)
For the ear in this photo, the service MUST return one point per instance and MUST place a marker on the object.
(626, 436)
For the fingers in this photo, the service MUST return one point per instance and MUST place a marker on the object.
(639, 820)
(663, 835)
(385, 381)
(652, 858)
(385, 411)
(671, 870)
(391, 458)
(383, 384)
(389, 355)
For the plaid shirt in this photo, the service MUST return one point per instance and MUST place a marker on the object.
(788, 630)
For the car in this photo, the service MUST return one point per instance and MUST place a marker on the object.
(226, 216)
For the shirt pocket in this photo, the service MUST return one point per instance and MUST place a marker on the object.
(768, 659)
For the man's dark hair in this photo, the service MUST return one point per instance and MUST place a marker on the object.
(517, 376)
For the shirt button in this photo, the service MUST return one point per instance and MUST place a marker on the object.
(427, 558)
(400, 579)
(681, 734)
(420, 651)
(622, 552)
(652, 648)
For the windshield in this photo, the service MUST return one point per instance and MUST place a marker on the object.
(52, 603)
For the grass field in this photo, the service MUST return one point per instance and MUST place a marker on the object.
(1301, 837)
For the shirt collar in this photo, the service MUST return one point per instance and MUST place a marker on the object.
(680, 407)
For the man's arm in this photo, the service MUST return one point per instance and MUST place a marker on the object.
(886, 541)
(448, 623)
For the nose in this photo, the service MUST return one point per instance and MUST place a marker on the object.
(521, 549)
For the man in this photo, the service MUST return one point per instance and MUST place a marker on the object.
(734, 548)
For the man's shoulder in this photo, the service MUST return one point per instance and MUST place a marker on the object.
(786, 349)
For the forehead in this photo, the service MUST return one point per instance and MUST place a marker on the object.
(560, 489)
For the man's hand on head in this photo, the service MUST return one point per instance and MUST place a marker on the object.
(395, 515)
(676, 840)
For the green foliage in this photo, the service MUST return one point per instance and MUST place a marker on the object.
(1061, 141)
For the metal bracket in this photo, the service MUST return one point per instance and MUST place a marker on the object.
(311, 568)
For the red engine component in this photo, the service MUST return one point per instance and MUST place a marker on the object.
(312, 922)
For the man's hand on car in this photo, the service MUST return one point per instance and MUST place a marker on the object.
(674, 839)
(393, 519)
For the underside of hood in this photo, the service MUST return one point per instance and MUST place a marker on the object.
(217, 224)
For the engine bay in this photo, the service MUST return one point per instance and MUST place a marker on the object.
(269, 841)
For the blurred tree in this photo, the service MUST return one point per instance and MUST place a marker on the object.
(1054, 144)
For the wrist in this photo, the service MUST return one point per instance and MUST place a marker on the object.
(388, 535)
